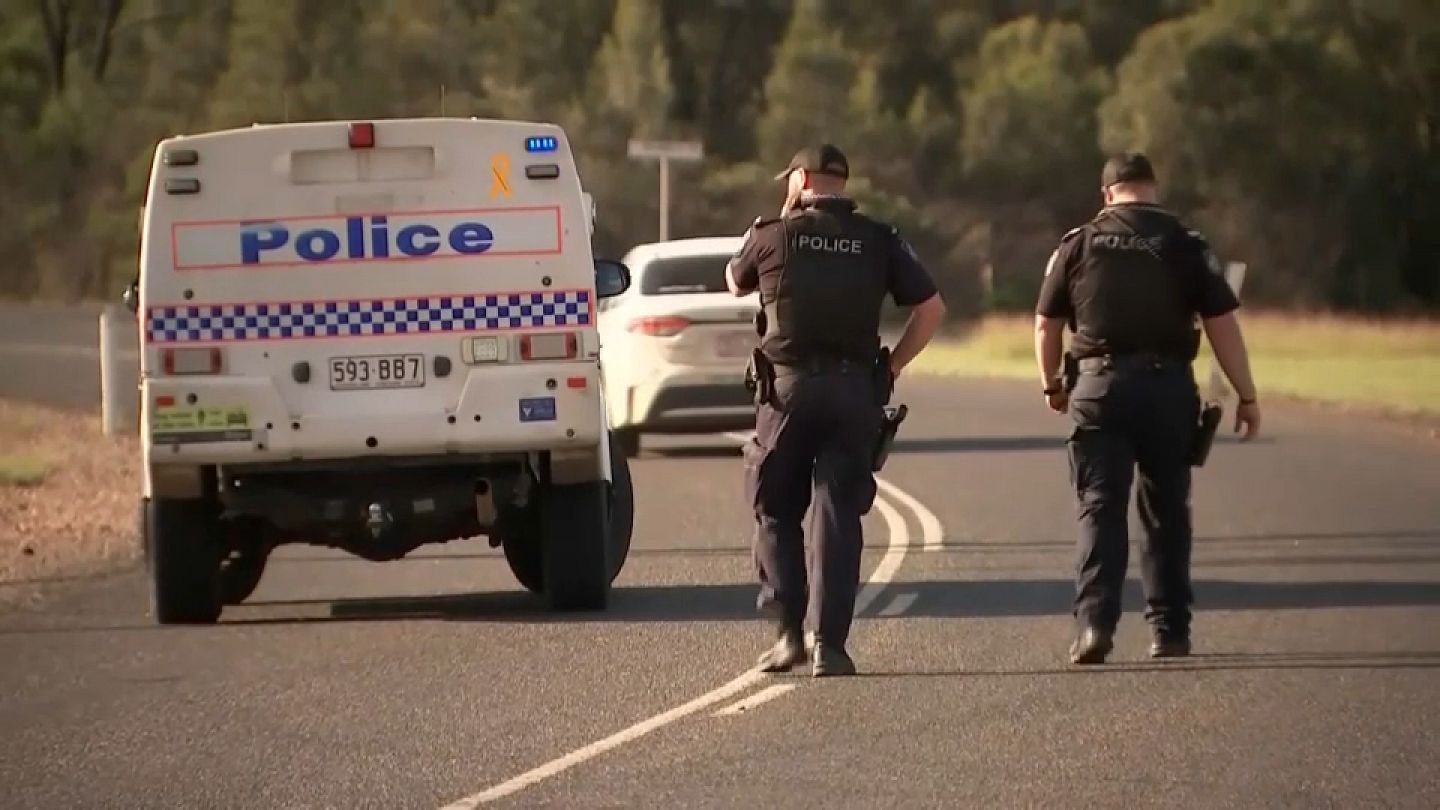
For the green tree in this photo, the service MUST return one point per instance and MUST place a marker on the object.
(1029, 141)
(808, 92)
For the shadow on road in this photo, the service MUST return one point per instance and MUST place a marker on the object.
(703, 451)
(735, 603)
(955, 600)
(977, 444)
(1205, 662)
(1005, 444)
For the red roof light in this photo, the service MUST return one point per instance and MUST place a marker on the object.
(362, 136)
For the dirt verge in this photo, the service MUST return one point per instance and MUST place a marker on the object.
(68, 495)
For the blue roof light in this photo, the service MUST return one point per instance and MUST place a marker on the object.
(544, 143)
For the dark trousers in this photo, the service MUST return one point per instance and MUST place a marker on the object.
(816, 437)
(1128, 420)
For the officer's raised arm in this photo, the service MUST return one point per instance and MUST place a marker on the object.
(742, 272)
(912, 286)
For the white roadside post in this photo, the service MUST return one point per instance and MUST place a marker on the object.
(117, 393)
(666, 151)
(1235, 277)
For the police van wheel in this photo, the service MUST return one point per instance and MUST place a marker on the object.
(183, 541)
(628, 441)
(622, 510)
(243, 565)
(574, 545)
(240, 575)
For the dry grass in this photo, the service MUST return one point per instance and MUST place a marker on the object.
(68, 494)
(22, 471)
(1389, 366)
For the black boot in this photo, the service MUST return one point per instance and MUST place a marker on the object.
(1170, 645)
(1091, 646)
(830, 660)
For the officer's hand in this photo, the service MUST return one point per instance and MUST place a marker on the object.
(1059, 402)
(1249, 416)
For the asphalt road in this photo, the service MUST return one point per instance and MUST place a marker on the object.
(435, 680)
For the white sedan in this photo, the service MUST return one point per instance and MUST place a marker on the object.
(674, 347)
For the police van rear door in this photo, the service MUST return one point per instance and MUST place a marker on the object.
(387, 286)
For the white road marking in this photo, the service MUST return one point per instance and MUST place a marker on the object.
(615, 740)
(930, 529)
(767, 694)
(901, 603)
(899, 535)
(884, 572)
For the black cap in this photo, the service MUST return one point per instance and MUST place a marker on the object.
(1130, 167)
(823, 159)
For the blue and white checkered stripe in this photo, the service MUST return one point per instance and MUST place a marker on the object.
(405, 316)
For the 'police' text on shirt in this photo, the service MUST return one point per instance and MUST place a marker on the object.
(1115, 241)
(829, 244)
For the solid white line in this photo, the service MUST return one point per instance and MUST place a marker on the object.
(890, 563)
(767, 694)
(901, 603)
(884, 572)
(930, 529)
(615, 740)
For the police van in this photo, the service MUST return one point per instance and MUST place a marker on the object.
(372, 336)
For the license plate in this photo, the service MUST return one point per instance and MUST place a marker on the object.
(734, 345)
(377, 372)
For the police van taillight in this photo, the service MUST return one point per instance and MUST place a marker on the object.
(549, 346)
(185, 362)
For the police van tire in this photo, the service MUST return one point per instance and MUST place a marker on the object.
(622, 509)
(243, 563)
(183, 541)
(522, 554)
(575, 535)
(240, 575)
(627, 440)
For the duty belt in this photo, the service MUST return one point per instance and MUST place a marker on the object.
(1140, 361)
(820, 365)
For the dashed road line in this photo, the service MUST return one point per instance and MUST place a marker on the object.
(763, 696)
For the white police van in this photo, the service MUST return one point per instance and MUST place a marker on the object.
(373, 335)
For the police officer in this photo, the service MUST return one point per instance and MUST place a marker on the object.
(822, 270)
(1131, 284)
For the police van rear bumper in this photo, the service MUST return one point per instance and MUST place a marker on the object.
(499, 410)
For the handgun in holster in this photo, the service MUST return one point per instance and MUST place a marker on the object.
(883, 377)
(1209, 422)
(889, 426)
(1069, 372)
(760, 378)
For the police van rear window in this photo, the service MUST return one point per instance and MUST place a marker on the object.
(690, 274)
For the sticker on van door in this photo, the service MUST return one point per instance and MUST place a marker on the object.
(335, 239)
(537, 409)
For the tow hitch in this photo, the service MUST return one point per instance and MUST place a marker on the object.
(379, 521)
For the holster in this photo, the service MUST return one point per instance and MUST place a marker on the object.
(883, 378)
(1069, 371)
(889, 426)
(760, 378)
(1205, 430)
